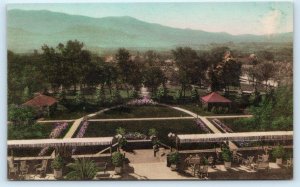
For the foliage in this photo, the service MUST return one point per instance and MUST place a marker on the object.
(191, 67)
(278, 152)
(153, 78)
(275, 109)
(57, 163)
(226, 154)
(121, 131)
(21, 115)
(204, 161)
(116, 96)
(80, 99)
(24, 75)
(174, 158)
(100, 95)
(130, 70)
(134, 94)
(122, 142)
(194, 94)
(117, 159)
(30, 131)
(62, 97)
(152, 132)
(82, 169)
(26, 94)
(178, 95)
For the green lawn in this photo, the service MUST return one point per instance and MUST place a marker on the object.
(140, 112)
(246, 125)
(196, 109)
(38, 131)
(164, 127)
(66, 115)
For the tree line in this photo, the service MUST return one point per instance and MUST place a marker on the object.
(70, 67)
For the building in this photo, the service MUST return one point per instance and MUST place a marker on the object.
(215, 100)
(44, 104)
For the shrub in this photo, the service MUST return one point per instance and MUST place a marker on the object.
(152, 132)
(174, 158)
(134, 94)
(57, 163)
(80, 100)
(226, 155)
(121, 131)
(194, 94)
(82, 169)
(117, 159)
(278, 152)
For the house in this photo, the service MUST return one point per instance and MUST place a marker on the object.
(44, 104)
(215, 100)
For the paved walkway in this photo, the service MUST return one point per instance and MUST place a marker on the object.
(55, 121)
(73, 129)
(142, 119)
(206, 121)
(229, 116)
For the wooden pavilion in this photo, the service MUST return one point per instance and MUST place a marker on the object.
(215, 100)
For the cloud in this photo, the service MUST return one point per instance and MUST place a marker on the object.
(271, 22)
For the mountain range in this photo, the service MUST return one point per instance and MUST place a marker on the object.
(30, 29)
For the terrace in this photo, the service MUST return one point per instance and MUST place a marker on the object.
(193, 135)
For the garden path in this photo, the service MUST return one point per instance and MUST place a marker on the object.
(205, 120)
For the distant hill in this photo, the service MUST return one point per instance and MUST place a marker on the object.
(28, 30)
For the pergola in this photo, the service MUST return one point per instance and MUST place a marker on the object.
(66, 142)
(243, 136)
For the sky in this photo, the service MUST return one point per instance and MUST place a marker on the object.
(234, 18)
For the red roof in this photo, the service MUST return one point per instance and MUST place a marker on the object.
(214, 97)
(40, 101)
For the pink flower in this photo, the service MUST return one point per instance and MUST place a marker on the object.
(55, 133)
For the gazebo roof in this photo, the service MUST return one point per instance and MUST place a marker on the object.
(214, 97)
(40, 101)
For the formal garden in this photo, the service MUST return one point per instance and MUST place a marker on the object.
(113, 117)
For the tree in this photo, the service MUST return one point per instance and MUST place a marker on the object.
(21, 115)
(26, 94)
(153, 78)
(123, 62)
(194, 94)
(100, 95)
(66, 65)
(228, 73)
(80, 100)
(275, 111)
(116, 96)
(82, 169)
(265, 71)
(185, 59)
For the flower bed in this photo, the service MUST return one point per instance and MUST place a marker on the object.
(135, 136)
(55, 133)
(143, 101)
(81, 132)
(202, 126)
